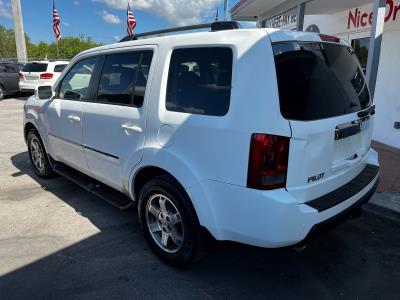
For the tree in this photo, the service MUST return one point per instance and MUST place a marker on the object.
(7, 43)
(68, 46)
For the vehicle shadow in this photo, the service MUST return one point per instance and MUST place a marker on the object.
(348, 262)
(19, 96)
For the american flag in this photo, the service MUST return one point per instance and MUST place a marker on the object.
(56, 23)
(131, 21)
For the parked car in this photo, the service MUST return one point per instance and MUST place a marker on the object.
(255, 136)
(8, 79)
(40, 72)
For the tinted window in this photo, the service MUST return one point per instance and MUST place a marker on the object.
(59, 68)
(8, 68)
(142, 77)
(75, 85)
(34, 67)
(319, 80)
(199, 81)
(118, 78)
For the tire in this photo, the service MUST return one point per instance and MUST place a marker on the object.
(38, 156)
(2, 92)
(177, 220)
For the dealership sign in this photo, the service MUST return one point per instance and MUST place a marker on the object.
(287, 19)
(360, 19)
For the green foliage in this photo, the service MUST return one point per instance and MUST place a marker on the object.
(68, 46)
(7, 43)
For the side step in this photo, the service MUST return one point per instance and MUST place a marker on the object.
(101, 190)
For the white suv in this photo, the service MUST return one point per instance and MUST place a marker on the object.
(256, 136)
(38, 73)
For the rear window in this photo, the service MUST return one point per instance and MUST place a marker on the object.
(59, 68)
(34, 67)
(199, 81)
(319, 80)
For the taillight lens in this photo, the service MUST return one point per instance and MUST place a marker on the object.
(329, 38)
(268, 162)
(46, 76)
(20, 75)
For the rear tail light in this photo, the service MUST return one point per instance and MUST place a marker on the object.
(268, 162)
(20, 75)
(46, 76)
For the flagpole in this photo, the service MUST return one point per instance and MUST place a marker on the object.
(226, 10)
(58, 53)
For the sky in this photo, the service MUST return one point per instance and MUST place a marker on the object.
(105, 20)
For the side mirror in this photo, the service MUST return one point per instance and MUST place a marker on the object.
(45, 92)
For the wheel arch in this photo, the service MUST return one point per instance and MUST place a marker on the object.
(28, 127)
(185, 179)
(31, 126)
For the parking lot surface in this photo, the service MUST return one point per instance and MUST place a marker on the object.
(59, 241)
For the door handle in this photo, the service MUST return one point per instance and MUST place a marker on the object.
(132, 128)
(74, 118)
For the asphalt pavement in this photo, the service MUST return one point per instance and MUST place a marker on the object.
(58, 241)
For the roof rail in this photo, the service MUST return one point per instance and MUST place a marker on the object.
(216, 26)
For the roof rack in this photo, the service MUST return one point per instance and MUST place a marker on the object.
(216, 26)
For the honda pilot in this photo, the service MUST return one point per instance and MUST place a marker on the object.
(257, 136)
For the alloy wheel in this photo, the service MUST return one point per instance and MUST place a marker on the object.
(37, 154)
(164, 223)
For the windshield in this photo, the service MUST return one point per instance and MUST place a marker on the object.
(34, 67)
(319, 80)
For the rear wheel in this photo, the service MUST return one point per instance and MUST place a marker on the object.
(2, 93)
(38, 156)
(169, 222)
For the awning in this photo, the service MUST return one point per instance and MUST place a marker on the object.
(258, 10)
(251, 10)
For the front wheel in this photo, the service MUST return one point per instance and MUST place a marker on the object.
(38, 156)
(169, 222)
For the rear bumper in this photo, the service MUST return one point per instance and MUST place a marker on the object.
(270, 219)
(342, 216)
(27, 87)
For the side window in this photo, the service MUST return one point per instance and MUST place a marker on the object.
(199, 81)
(2, 68)
(142, 77)
(75, 85)
(59, 68)
(118, 77)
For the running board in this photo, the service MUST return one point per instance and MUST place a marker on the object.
(99, 189)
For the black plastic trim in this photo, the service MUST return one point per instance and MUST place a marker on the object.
(347, 191)
(367, 112)
(101, 152)
(109, 194)
(215, 26)
(330, 223)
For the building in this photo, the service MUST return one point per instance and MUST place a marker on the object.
(354, 21)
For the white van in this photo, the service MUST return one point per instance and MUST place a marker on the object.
(255, 136)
